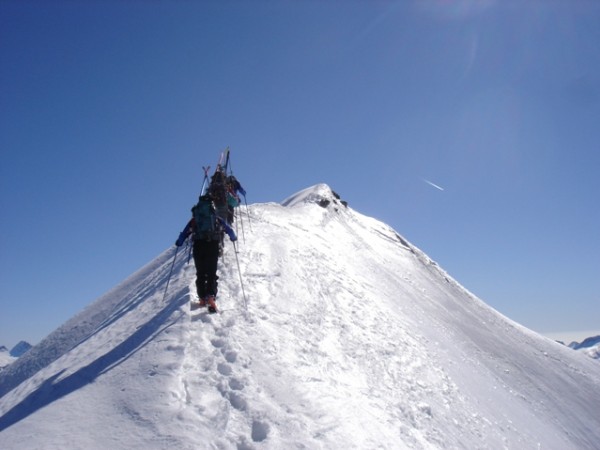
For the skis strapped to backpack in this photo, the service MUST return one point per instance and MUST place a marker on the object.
(214, 212)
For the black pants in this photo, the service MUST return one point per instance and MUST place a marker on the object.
(206, 256)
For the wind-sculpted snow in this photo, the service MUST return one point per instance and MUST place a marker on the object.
(353, 338)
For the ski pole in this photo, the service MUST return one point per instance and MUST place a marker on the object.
(237, 260)
(248, 214)
(241, 216)
(246, 203)
(170, 273)
(191, 247)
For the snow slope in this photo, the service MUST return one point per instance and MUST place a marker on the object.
(352, 338)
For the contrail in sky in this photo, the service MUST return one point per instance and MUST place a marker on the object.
(433, 184)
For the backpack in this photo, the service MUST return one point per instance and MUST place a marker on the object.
(218, 188)
(223, 196)
(204, 216)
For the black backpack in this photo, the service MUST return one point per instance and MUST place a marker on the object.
(204, 215)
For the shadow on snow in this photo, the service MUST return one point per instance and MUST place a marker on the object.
(51, 390)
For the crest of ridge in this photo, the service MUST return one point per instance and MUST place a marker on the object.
(320, 194)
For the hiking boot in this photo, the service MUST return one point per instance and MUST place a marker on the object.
(212, 305)
(202, 302)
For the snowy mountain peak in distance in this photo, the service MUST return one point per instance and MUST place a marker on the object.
(320, 194)
(589, 346)
(5, 357)
(587, 342)
(344, 335)
(20, 349)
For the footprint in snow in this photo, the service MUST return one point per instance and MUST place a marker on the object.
(218, 343)
(237, 401)
(260, 431)
(224, 369)
(230, 356)
(236, 384)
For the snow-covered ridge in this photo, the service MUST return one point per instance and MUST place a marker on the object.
(320, 194)
(78, 329)
(352, 338)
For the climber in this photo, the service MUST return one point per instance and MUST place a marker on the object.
(207, 229)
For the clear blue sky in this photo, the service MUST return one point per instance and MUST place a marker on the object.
(109, 110)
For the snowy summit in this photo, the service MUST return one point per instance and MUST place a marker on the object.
(321, 194)
(351, 338)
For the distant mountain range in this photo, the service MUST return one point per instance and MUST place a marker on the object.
(20, 349)
(590, 346)
(7, 357)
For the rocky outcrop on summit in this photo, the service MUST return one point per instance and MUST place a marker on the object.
(321, 194)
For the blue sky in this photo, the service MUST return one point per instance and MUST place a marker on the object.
(109, 110)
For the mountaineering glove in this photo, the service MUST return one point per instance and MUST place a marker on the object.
(181, 239)
(241, 190)
(185, 233)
